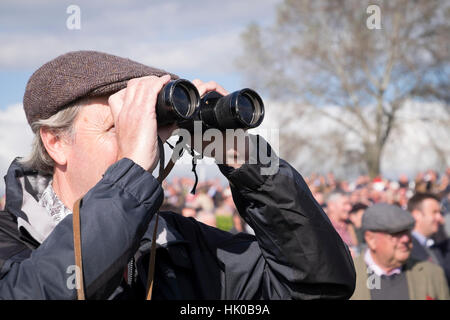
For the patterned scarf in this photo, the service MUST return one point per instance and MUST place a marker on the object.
(55, 208)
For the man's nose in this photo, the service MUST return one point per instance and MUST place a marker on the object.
(405, 238)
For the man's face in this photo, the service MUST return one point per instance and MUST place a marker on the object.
(188, 212)
(429, 218)
(94, 147)
(341, 207)
(354, 197)
(364, 194)
(390, 250)
(356, 218)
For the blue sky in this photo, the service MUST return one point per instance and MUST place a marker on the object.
(194, 39)
(13, 83)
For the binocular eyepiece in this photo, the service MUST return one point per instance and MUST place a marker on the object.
(179, 102)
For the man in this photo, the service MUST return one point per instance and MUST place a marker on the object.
(426, 210)
(206, 217)
(446, 210)
(338, 208)
(384, 271)
(355, 217)
(189, 210)
(96, 138)
(403, 181)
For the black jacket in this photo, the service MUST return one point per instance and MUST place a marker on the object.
(295, 253)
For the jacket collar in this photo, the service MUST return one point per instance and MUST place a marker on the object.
(24, 187)
(373, 267)
(424, 241)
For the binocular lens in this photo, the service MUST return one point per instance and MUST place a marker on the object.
(246, 109)
(241, 109)
(177, 101)
(249, 108)
(181, 101)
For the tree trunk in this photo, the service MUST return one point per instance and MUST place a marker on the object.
(372, 158)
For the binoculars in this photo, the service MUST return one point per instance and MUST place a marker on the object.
(179, 102)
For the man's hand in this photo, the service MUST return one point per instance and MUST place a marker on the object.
(133, 110)
(229, 156)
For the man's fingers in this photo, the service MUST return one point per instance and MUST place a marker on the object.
(141, 94)
(149, 87)
(155, 85)
(135, 89)
(205, 87)
(197, 82)
(221, 90)
(115, 102)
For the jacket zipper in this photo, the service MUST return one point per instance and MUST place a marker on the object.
(131, 272)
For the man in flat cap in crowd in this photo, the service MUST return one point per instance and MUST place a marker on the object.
(426, 210)
(96, 138)
(385, 270)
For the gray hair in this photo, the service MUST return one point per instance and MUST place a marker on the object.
(335, 196)
(61, 125)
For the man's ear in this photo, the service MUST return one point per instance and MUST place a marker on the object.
(369, 236)
(54, 145)
(330, 207)
(417, 214)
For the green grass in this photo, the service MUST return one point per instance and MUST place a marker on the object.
(224, 222)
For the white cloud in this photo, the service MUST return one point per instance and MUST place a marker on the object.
(214, 54)
(15, 137)
(182, 35)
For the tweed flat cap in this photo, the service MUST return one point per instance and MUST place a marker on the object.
(79, 74)
(387, 218)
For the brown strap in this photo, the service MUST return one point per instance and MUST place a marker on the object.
(166, 171)
(151, 268)
(77, 250)
(163, 172)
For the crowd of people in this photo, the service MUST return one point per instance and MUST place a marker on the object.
(211, 204)
(213, 201)
(346, 212)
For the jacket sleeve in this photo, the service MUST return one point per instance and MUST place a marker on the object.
(114, 215)
(301, 254)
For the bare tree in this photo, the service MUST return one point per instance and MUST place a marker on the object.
(320, 53)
